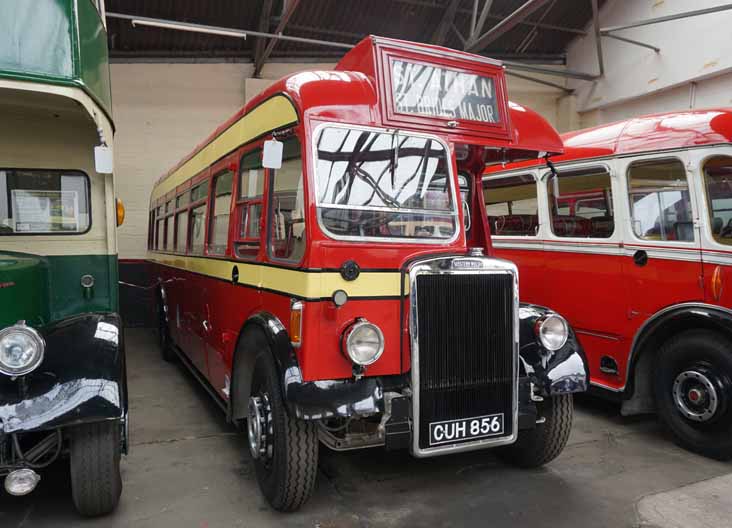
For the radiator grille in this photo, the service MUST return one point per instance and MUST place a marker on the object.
(465, 339)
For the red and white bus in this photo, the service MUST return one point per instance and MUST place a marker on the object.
(630, 237)
(326, 271)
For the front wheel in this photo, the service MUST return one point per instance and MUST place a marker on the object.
(545, 442)
(693, 387)
(96, 484)
(284, 448)
(164, 342)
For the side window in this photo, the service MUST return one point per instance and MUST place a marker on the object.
(287, 207)
(581, 203)
(181, 221)
(249, 204)
(718, 185)
(512, 205)
(220, 212)
(197, 219)
(159, 228)
(659, 200)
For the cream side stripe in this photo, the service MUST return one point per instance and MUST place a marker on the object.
(308, 285)
(270, 115)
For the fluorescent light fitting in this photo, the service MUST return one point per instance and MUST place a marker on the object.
(192, 28)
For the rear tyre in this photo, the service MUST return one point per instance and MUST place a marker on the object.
(545, 442)
(96, 484)
(693, 388)
(285, 449)
(164, 341)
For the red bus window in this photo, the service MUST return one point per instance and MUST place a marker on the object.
(249, 204)
(659, 200)
(581, 204)
(181, 231)
(287, 208)
(220, 213)
(718, 185)
(198, 229)
(512, 205)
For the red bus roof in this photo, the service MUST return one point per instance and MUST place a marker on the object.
(350, 93)
(648, 133)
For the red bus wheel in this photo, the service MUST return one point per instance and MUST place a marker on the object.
(693, 386)
(284, 448)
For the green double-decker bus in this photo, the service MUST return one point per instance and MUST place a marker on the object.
(62, 365)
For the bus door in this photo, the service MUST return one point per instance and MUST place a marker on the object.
(583, 260)
(714, 188)
(193, 290)
(512, 206)
(662, 248)
(221, 302)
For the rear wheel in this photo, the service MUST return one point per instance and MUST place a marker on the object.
(545, 442)
(693, 387)
(96, 483)
(285, 449)
(164, 342)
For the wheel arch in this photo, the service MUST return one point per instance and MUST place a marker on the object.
(657, 329)
(243, 361)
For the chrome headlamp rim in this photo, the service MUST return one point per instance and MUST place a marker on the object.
(539, 326)
(348, 336)
(40, 344)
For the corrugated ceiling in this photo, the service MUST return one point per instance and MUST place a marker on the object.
(347, 21)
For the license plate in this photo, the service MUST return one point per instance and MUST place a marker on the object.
(450, 431)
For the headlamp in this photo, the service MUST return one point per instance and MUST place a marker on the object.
(552, 331)
(21, 350)
(363, 342)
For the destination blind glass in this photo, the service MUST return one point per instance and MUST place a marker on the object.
(439, 92)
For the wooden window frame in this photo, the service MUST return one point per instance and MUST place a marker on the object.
(242, 206)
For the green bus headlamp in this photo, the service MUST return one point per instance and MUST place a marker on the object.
(21, 350)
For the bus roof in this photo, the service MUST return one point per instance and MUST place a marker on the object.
(360, 91)
(648, 133)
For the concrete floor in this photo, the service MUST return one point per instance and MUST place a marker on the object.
(187, 468)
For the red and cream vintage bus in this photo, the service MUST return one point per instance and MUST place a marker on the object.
(325, 269)
(630, 237)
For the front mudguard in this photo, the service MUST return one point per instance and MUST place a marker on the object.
(561, 372)
(82, 378)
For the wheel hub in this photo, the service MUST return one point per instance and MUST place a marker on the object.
(259, 427)
(695, 395)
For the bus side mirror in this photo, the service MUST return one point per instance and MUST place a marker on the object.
(272, 154)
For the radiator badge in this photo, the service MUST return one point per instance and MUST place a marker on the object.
(467, 264)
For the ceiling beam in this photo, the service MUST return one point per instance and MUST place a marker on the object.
(668, 18)
(505, 25)
(481, 20)
(263, 26)
(440, 34)
(286, 15)
(463, 11)
(598, 39)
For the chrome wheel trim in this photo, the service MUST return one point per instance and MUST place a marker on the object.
(695, 385)
(259, 427)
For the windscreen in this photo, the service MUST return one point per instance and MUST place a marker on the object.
(383, 185)
(43, 202)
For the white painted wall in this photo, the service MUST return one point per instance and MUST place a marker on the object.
(639, 81)
(162, 111)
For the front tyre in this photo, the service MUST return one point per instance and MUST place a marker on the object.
(285, 449)
(545, 442)
(693, 387)
(164, 342)
(96, 484)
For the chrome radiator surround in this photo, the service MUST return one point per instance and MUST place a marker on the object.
(459, 265)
